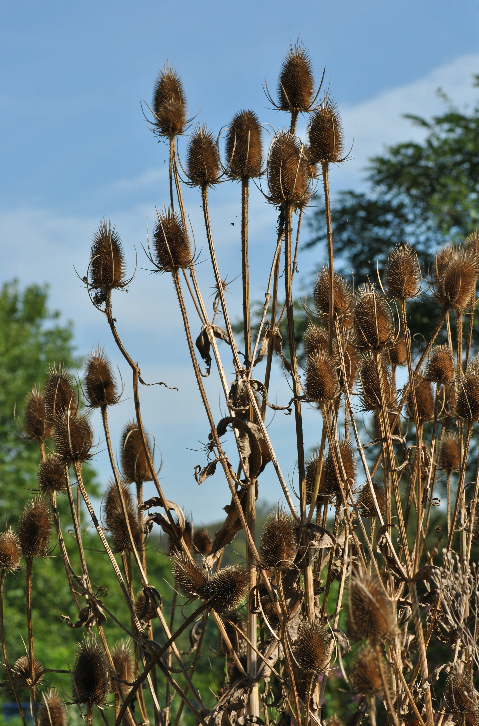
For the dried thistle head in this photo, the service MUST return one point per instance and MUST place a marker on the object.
(53, 711)
(90, 674)
(145, 607)
(467, 404)
(21, 673)
(342, 297)
(372, 319)
(321, 384)
(100, 383)
(244, 147)
(370, 384)
(440, 366)
(371, 610)
(422, 388)
(36, 425)
(35, 528)
(471, 243)
(455, 274)
(122, 658)
(448, 457)
(326, 137)
(170, 243)
(189, 578)
(311, 648)
(288, 171)
(10, 551)
(59, 395)
(365, 674)
(315, 340)
(52, 475)
(403, 273)
(133, 458)
(202, 542)
(115, 519)
(398, 352)
(459, 693)
(296, 81)
(331, 479)
(107, 260)
(169, 103)
(366, 505)
(73, 438)
(227, 588)
(279, 540)
(202, 158)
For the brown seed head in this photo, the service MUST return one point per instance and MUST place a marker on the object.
(59, 394)
(227, 587)
(398, 352)
(170, 243)
(21, 673)
(403, 273)
(334, 721)
(424, 399)
(90, 675)
(244, 148)
(467, 404)
(145, 607)
(288, 171)
(454, 277)
(448, 458)
(311, 649)
(440, 366)
(202, 158)
(53, 711)
(174, 543)
(366, 505)
(202, 542)
(352, 360)
(372, 319)
(471, 242)
(296, 81)
(279, 540)
(342, 296)
(189, 578)
(73, 438)
(321, 384)
(370, 392)
(459, 693)
(326, 137)
(371, 611)
(36, 426)
(10, 551)
(315, 340)
(330, 481)
(133, 457)
(169, 103)
(35, 528)
(365, 674)
(100, 384)
(124, 667)
(115, 520)
(52, 476)
(107, 261)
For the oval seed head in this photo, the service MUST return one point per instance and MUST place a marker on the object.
(370, 390)
(133, 458)
(311, 649)
(21, 673)
(10, 551)
(170, 243)
(100, 384)
(227, 587)
(321, 384)
(398, 352)
(115, 520)
(288, 171)
(145, 607)
(35, 528)
(326, 137)
(124, 667)
(169, 103)
(53, 711)
(403, 273)
(440, 366)
(467, 404)
(454, 277)
(90, 676)
(52, 475)
(331, 479)
(73, 438)
(366, 505)
(459, 694)
(202, 542)
(315, 340)
(107, 261)
(36, 426)
(279, 540)
(371, 611)
(365, 674)
(372, 319)
(202, 158)
(352, 361)
(424, 399)
(334, 720)
(342, 296)
(296, 81)
(189, 578)
(244, 147)
(312, 470)
(448, 458)
(59, 394)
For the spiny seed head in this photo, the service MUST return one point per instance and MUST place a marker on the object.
(202, 158)
(133, 458)
(403, 273)
(288, 171)
(440, 366)
(312, 468)
(10, 551)
(174, 543)
(424, 399)
(122, 657)
(311, 649)
(448, 458)
(372, 319)
(279, 540)
(53, 711)
(36, 426)
(315, 340)
(296, 81)
(371, 611)
(90, 676)
(459, 693)
(169, 103)
(454, 277)
(227, 587)
(471, 242)
(467, 404)
(145, 607)
(321, 384)
(370, 381)
(334, 721)
(202, 542)
(244, 148)
(52, 475)
(326, 137)
(115, 519)
(21, 673)
(73, 438)
(100, 384)
(398, 352)
(366, 505)
(35, 528)
(342, 296)
(107, 261)
(59, 394)
(330, 481)
(170, 243)
(189, 578)
(365, 674)
(352, 361)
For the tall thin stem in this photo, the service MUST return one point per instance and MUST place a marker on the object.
(31, 656)
(4, 650)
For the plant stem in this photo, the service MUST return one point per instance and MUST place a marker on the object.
(31, 657)
(4, 650)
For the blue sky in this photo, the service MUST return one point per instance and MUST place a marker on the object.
(74, 147)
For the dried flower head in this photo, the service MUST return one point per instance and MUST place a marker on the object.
(370, 391)
(189, 578)
(36, 426)
(311, 649)
(315, 340)
(21, 673)
(145, 607)
(115, 519)
(73, 438)
(244, 148)
(100, 384)
(133, 458)
(467, 404)
(331, 478)
(352, 360)
(334, 720)
(326, 137)
(296, 81)
(448, 457)
(321, 384)
(440, 366)
(288, 171)
(372, 319)
(342, 296)
(53, 711)
(90, 675)
(365, 674)
(459, 693)
(52, 475)
(35, 528)
(371, 610)
(366, 504)
(202, 158)
(454, 277)
(170, 243)
(403, 273)
(471, 243)
(398, 352)
(122, 658)
(169, 103)
(59, 394)
(107, 261)
(424, 399)
(10, 551)
(227, 588)
(279, 540)
(202, 542)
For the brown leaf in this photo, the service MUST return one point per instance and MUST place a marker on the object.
(202, 474)
(319, 538)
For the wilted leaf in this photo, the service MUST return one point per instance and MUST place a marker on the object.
(202, 474)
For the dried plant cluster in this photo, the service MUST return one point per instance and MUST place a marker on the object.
(349, 579)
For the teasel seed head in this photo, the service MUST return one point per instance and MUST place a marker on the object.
(189, 578)
(170, 243)
(174, 544)
(133, 458)
(202, 158)
(352, 360)
(122, 657)
(90, 675)
(334, 720)
(35, 528)
(372, 319)
(312, 466)
(288, 171)
(59, 394)
(449, 457)
(202, 542)
(342, 297)
(107, 260)
(467, 404)
(370, 384)
(326, 137)
(459, 693)
(53, 711)
(227, 588)
(330, 481)
(100, 383)
(21, 673)
(115, 520)
(321, 384)
(366, 505)
(244, 148)
(454, 277)
(311, 649)
(73, 438)
(365, 674)
(403, 273)
(296, 81)
(440, 366)
(169, 103)
(315, 340)
(36, 426)
(52, 475)
(10, 551)
(424, 399)
(145, 607)
(398, 352)
(371, 611)
(279, 540)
